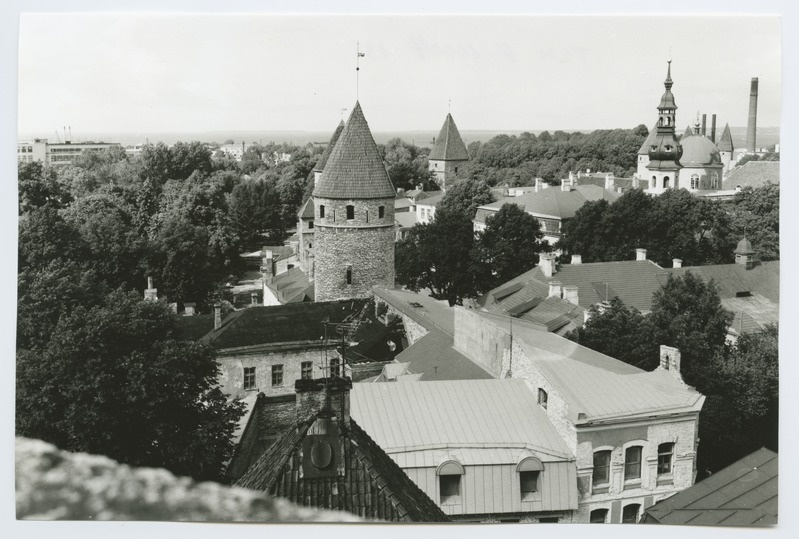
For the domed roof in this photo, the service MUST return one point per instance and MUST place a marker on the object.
(699, 151)
(744, 247)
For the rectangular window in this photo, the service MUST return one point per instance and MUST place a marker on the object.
(335, 366)
(632, 463)
(450, 489)
(349, 275)
(306, 370)
(529, 484)
(277, 375)
(321, 210)
(665, 458)
(310, 225)
(350, 212)
(601, 475)
(249, 377)
(381, 212)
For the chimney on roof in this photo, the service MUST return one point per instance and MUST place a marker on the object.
(704, 125)
(577, 259)
(640, 254)
(151, 293)
(315, 395)
(538, 182)
(555, 289)
(571, 294)
(547, 263)
(174, 307)
(217, 315)
(188, 309)
(610, 182)
(254, 298)
(713, 129)
(676, 263)
(670, 360)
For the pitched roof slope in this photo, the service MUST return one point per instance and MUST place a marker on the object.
(554, 202)
(644, 149)
(355, 169)
(320, 165)
(449, 144)
(742, 494)
(373, 486)
(725, 142)
(486, 414)
(306, 211)
(753, 174)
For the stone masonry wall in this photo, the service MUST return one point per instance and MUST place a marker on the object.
(366, 244)
(231, 379)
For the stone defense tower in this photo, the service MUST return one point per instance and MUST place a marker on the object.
(353, 217)
(664, 150)
(449, 155)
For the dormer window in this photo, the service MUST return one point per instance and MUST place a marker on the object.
(449, 482)
(530, 470)
(668, 147)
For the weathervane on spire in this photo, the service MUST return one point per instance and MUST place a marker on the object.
(358, 56)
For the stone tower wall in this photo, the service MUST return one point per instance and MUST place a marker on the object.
(365, 244)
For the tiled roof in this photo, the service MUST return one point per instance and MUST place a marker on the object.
(732, 279)
(598, 386)
(742, 494)
(292, 286)
(633, 281)
(753, 174)
(554, 202)
(449, 144)
(355, 169)
(295, 322)
(192, 328)
(489, 414)
(644, 149)
(372, 486)
(725, 142)
(320, 165)
(306, 212)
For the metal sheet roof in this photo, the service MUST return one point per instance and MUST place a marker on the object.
(742, 494)
(485, 414)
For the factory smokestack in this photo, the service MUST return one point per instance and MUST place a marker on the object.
(751, 128)
(704, 125)
(713, 129)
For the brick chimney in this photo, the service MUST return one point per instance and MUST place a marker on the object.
(538, 182)
(555, 289)
(313, 394)
(547, 263)
(676, 263)
(189, 309)
(751, 126)
(670, 360)
(577, 259)
(217, 315)
(151, 293)
(571, 294)
(640, 254)
(713, 129)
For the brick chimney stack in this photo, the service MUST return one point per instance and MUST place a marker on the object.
(547, 263)
(676, 263)
(640, 254)
(571, 294)
(713, 129)
(151, 294)
(704, 125)
(751, 127)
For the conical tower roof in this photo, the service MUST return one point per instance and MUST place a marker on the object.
(688, 132)
(449, 144)
(725, 142)
(320, 165)
(355, 169)
(644, 149)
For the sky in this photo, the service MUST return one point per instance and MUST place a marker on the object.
(129, 72)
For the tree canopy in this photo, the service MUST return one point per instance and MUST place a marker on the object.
(464, 197)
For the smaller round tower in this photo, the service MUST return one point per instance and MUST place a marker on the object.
(449, 156)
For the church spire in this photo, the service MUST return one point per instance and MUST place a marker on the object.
(668, 83)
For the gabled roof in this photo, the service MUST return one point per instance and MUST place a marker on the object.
(355, 169)
(753, 174)
(307, 209)
(597, 387)
(449, 144)
(742, 494)
(644, 149)
(372, 486)
(732, 279)
(450, 415)
(725, 142)
(320, 165)
(554, 202)
(431, 199)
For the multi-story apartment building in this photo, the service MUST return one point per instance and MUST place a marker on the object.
(59, 153)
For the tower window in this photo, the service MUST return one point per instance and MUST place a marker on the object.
(665, 182)
(350, 212)
(714, 181)
(249, 377)
(321, 210)
(349, 275)
(542, 398)
(381, 212)
(456, 170)
(310, 225)
(310, 246)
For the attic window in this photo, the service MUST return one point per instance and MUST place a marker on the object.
(528, 483)
(416, 305)
(449, 482)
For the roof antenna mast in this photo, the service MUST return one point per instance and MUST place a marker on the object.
(358, 56)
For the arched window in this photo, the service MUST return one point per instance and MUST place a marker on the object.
(321, 210)
(449, 482)
(542, 398)
(350, 212)
(530, 470)
(714, 181)
(694, 181)
(600, 478)
(630, 513)
(598, 516)
(632, 463)
(665, 182)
